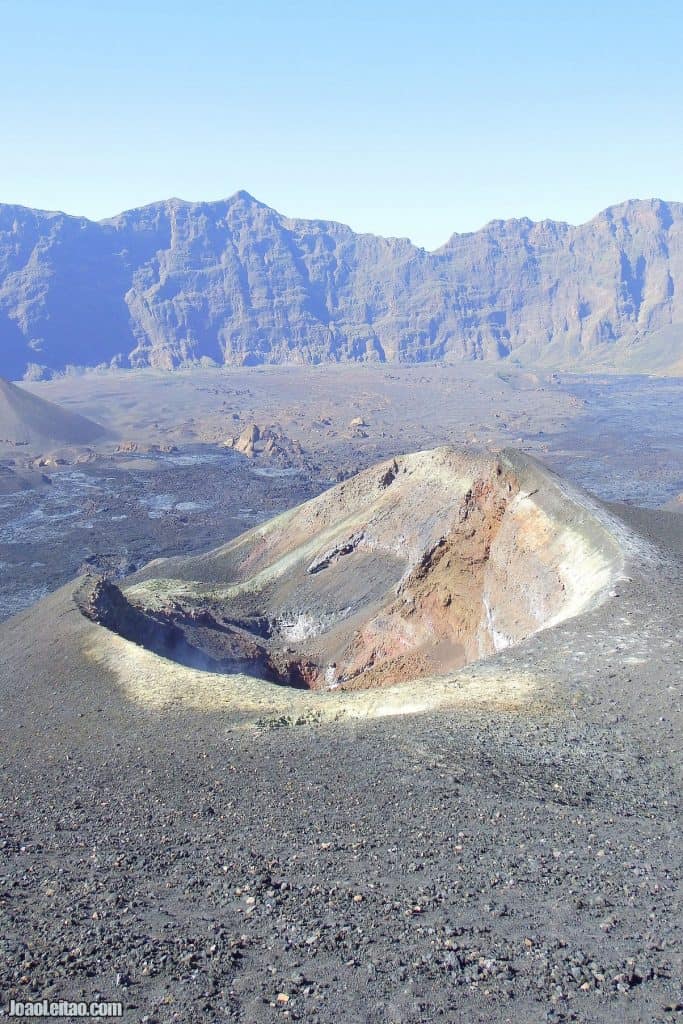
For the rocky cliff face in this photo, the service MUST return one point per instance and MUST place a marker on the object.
(236, 283)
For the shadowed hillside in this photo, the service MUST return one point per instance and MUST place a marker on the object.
(25, 418)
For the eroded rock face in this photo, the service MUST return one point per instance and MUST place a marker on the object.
(408, 570)
(236, 283)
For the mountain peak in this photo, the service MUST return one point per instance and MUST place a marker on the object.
(244, 197)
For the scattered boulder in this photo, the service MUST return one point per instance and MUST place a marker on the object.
(166, 448)
(245, 441)
(269, 441)
(135, 448)
(48, 461)
(87, 456)
(249, 436)
(271, 448)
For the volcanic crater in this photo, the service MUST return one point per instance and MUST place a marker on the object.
(409, 570)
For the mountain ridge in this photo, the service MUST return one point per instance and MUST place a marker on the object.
(244, 195)
(234, 282)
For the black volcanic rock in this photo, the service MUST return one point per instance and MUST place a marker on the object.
(236, 283)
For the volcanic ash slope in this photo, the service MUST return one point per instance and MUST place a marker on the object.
(26, 419)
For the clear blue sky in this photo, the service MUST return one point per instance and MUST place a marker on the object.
(411, 119)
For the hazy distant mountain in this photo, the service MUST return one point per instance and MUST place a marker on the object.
(237, 283)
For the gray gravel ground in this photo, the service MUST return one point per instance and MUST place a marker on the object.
(479, 866)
